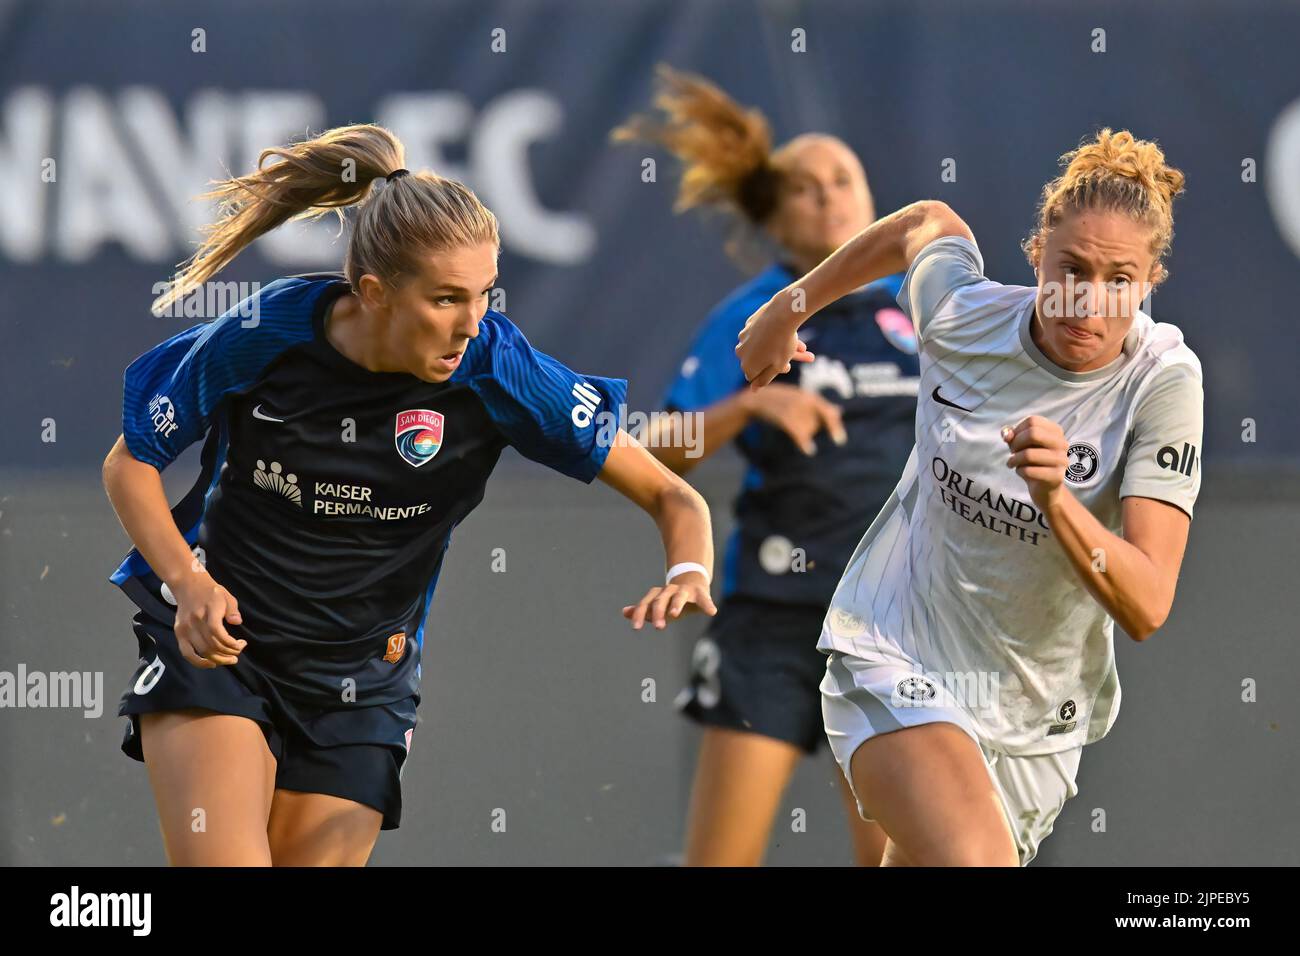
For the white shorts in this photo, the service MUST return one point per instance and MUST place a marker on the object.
(862, 699)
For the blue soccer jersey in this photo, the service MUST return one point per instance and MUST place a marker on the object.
(798, 518)
(328, 493)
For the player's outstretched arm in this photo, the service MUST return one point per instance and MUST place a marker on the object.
(683, 521)
(203, 607)
(770, 342)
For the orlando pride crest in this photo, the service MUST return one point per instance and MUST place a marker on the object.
(418, 435)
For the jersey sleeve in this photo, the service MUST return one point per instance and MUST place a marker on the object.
(941, 268)
(711, 370)
(546, 411)
(1163, 460)
(171, 392)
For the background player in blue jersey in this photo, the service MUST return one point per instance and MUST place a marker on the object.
(824, 446)
(351, 422)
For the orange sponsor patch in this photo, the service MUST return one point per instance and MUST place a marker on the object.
(396, 648)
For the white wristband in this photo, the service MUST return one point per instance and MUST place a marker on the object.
(682, 568)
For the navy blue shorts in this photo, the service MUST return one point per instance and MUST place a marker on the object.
(354, 752)
(758, 669)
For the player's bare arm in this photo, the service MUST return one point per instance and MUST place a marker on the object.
(770, 342)
(682, 517)
(800, 413)
(1134, 576)
(720, 423)
(203, 607)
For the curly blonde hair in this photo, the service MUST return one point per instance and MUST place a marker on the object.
(1113, 171)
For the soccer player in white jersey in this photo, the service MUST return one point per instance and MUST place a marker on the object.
(1049, 495)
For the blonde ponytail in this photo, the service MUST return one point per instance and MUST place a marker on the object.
(414, 214)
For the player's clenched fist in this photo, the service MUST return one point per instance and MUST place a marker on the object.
(1039, 454)
(769, 342)
(686, 594)
(203, 608)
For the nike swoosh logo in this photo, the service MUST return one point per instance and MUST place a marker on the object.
(943, 401)
(257, 413)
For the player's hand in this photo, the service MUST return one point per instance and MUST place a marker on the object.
(688, 593)
(1039, 456)
(203, 609)
(801, 414)
(769, 343)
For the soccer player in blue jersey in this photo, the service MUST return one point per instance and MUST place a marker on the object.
(823, 445)
(351, 422)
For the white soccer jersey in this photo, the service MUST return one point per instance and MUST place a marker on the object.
(959, 573)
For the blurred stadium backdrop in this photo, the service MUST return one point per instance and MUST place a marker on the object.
(533, 682)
